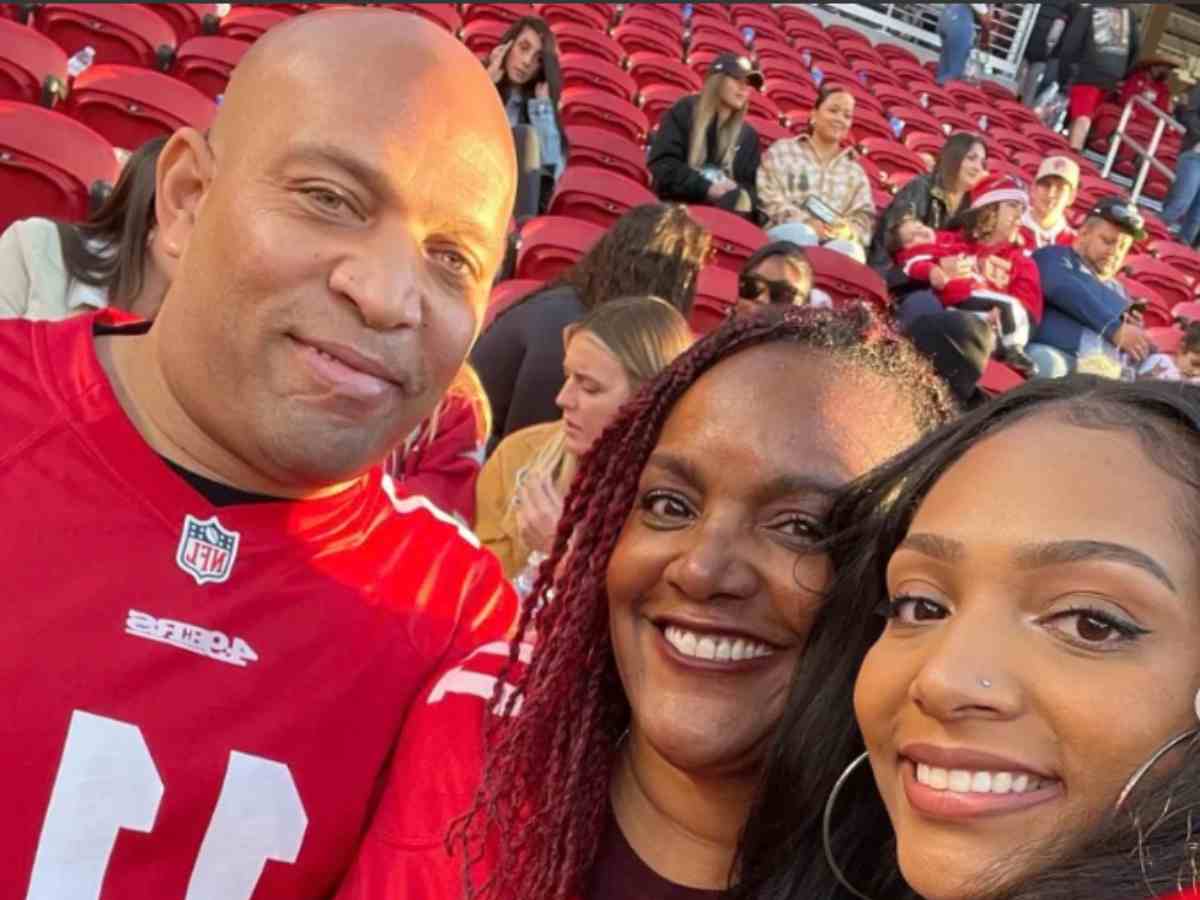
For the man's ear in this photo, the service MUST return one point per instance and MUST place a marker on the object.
(183, 177)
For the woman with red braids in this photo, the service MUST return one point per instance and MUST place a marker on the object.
(616, 754)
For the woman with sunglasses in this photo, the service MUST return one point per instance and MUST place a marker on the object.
(777, 274)
(1009, 649)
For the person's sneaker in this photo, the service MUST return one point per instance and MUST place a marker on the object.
(1018, 359)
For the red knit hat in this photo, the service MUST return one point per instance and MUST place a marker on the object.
(997, 189)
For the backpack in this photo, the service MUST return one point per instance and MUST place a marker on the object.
(1110, 41)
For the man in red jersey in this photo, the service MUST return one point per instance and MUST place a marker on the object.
(220, 609)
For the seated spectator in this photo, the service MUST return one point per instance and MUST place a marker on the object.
(654, 249)
(1183, 366)
(980, 267)
(52, 270)
(959, 346)
(1045, 221)
(934, 199)
(777, 274)
(610, 354)
(1181, 207)
(441, 459)
(524, 67)
(703, 151)
(684, 577)
(1149, 80)
(812, 189)
(1085, 305)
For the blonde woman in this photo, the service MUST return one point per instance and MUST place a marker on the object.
(611, 352)
(704, 152)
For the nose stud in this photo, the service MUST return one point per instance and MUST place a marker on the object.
(984, 683)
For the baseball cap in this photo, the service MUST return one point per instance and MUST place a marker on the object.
(739, 67)
(1062, 167)
(1121, 213)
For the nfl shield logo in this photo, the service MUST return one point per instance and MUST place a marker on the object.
(206, 550)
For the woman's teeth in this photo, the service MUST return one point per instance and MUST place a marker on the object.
(714, 647)
(961, 781)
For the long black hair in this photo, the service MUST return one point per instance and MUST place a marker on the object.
(110, 247)
(950, 159)
(1148, 848)
(551, 71)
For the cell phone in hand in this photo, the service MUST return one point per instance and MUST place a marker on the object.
(821, 210)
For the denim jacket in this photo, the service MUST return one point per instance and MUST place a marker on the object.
(540, 114)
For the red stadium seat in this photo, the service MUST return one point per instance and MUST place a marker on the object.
(709, 13)
(701, 61)
(715, 40)
(1167, 340)
(1186, 313)
(187, 19)
(206, 62)
(248, 23)
(586, 106)
(597, 196)
(505, 13)
(865, 100)
(550, 244)
(1177, 255)
(483, 36)
(762, 106)
(768, 50)
(1029, 162)
(997, 91)
(868, 124)
(844, 279)
(836, 74)
(896, 53)
(444, 15)
(666, 22)
(597, 16)
(651, 68)
(893, 158)
(791, 94)
(734, 240)
(769, 131)
(1013, 140)
(791, 13)
(1146, 294)
(998, 166)
(129, 106)
(998, 378)
(957, 119)
(588, 71)
(581, 39)
(33, 68)
(506, 294)
(50, 165)
(658, 98)
(1173, 285)
(601, 148)
(125, 33)
(636, 38)
(716, 297)
(923, 142)
(764, 30)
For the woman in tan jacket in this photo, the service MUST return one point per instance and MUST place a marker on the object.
(610, 353)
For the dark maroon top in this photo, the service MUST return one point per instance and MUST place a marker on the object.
(619, 874)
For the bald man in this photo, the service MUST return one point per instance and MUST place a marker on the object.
(221, 609)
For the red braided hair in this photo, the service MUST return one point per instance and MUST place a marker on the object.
(543, 798)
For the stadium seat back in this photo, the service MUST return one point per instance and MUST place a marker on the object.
(585, 70)
(845, 279)
(187, 19)
(249, 23)
(123, 33)
(769, 131)
(648, 68)
(734, 240)
(589, 146)
(597, 16)
(444, 15)
(33, 69)
(550, 244)
(716, 297)
(587, 106)
(129, 106)
(579, 39)
(654, 17)
(49, 164)
(206, 62)
(657, 99)
(596, 196)
(504, 13)
(483, 35)
(636, 38)
(1167, 339)
(715, 41)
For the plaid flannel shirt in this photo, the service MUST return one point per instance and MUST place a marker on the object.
(791, 171)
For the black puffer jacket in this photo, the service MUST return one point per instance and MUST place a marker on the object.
(1077, 51)
(676, 181)
(1048, 13)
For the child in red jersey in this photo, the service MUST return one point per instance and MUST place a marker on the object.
(980, 266)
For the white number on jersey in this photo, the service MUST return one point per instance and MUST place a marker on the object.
(107, 781)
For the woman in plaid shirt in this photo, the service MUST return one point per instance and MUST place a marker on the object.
(812, 189)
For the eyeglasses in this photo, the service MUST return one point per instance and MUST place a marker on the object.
(750, 287)
(1121, 214)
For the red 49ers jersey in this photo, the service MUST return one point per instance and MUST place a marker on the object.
(199, 702)
(435, 773)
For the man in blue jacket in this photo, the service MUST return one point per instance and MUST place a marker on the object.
(1085, 305)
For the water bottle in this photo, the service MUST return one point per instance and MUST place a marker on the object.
(687, 12)
(79, 63)
(898, 126)
(817, 75)
(924, 100)
(806, 59)
(748, 36)
(983, 123)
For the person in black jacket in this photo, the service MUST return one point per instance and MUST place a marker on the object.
(1098, 51)
(1041, 56)
(653, 249)
(704, 152)
(1181, 207)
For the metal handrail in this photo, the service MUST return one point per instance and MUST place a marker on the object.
(1147, 153)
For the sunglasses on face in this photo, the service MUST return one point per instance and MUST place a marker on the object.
(750, 287)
